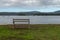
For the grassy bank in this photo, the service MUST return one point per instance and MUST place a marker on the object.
(36, 32)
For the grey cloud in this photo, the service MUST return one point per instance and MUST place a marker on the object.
(20, 3)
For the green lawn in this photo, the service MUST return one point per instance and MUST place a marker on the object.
(36, 32)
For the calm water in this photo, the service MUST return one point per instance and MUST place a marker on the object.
(33, 19)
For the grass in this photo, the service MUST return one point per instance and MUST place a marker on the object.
(36, 32)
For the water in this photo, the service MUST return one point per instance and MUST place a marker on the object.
(33, 19)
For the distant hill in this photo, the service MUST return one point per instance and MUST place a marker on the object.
(31, 13)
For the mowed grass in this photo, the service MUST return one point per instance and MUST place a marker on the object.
(35, 32)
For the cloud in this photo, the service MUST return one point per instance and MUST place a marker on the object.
(56, 2)
(29, 3)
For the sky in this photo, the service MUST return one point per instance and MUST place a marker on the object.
(29, 5)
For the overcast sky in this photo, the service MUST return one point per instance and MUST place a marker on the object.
(28, 5)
